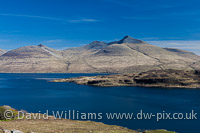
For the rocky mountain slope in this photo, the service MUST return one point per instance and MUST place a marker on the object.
(32, 59)
(126, 55)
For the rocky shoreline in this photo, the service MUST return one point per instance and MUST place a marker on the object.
(154, 78)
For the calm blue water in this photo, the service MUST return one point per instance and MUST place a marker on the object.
(34, 93)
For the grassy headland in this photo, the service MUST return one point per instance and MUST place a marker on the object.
(154, 78)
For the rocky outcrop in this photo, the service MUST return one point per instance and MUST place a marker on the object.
(11, 131)
(154, 78)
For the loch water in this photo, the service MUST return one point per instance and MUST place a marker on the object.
(34, 93)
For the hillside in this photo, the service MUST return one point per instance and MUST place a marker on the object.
(32, 59)
(61, 126)
(37, 123)
(67, 126)
(123, 56)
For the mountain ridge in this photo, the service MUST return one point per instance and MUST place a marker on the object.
(2, 52)
(124, 56)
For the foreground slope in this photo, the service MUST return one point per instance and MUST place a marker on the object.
(123, 56)
(62, 126)
(67, 126)
(49, 124)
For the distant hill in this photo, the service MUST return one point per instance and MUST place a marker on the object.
(124, 56)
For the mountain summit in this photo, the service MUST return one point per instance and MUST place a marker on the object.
(41, 45)
(96, 45)
(124, 56)
(129, 39)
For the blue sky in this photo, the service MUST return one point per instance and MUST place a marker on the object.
(62, 24)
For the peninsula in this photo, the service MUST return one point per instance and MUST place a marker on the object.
(154, 78)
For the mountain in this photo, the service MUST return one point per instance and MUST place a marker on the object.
(127, 39)
(32, 59)
(124, 56)
(2, 52)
